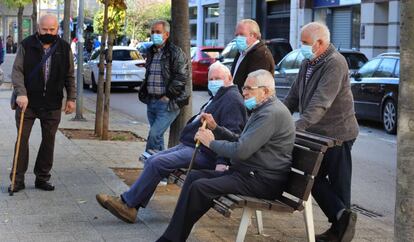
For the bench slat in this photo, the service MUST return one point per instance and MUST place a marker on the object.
(323, 140)
(255, 202)
(280, 206)
(299, 185)
(306, 160)
(310, 144)
(222, 209)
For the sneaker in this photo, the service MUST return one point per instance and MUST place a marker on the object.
(102, 198)
(44, 185)
(329, 235)
(119, 209)
(17, 187)
(346, 226)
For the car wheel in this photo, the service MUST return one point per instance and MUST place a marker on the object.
(94, 86)
(389, 117)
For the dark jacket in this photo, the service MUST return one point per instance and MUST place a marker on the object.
(61, 74)
(325, 104)
(175, 73)
(265, 145)
(227, 109)
(259, 57)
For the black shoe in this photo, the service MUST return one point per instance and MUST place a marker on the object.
(329, 235)
(17, 187)
(346, 226)
(163, 239)
(44, 185)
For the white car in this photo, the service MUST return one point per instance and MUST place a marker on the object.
(128, 68)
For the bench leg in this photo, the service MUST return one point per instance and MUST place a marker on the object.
(259, 222)
(308, 216)
(244, 224)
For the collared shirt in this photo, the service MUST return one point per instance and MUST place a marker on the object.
(311, 65)
(156, 85)
(242, 55)
(46, 67)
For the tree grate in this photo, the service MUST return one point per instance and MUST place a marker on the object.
(364, 211)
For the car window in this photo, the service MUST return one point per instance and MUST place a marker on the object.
(210, 53)
(289, 61)
(298, 61)
(230, 51)
(279, 50)
(369, 68)
(355, 60)
(193, 51)
(397, 69)
(126, 55)
(386, 68)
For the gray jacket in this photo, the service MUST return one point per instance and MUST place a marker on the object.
(265, 145)
(325, 104)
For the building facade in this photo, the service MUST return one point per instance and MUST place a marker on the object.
(371, 26)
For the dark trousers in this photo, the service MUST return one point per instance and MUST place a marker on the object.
(203, 186)
(332, 187)
(49, 122)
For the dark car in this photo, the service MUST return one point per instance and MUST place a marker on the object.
(201, 59)
(279, 48)
(288, 68)
(375, 90)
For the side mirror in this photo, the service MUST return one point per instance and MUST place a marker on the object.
(356, 75)
(277, 67)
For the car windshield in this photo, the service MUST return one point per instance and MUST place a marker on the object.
(126, 55)
(355, 60)
(230, 51)
(210, 53)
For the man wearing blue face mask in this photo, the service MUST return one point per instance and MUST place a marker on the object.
(253, 53)
(226, 106)
(322, 94)
(163, 89)
(260, 157)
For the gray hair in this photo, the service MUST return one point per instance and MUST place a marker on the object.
(318, 31)
(48, 15)
(220, 66)
(164, 23)
(254, 27)
(263, 78)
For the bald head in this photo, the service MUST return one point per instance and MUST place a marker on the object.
(316, 35)
(48, 24)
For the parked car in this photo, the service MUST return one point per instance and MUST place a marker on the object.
(279, 48)
(375, 90)
(288, 68)
(201, 59)
(128, 68)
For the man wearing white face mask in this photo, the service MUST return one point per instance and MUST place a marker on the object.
(253, 54)
(226, 106)
(322, 94)
(163, 89)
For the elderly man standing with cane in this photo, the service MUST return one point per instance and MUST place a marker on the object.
(42, 69)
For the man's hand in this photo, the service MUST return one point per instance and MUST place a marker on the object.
(70, 107)
(221, 167)
(211, 123)
(22, 102)
(205, 136)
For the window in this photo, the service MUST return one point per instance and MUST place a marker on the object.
(368, 69)
(211, 26)
(193, 31)
(386, 68)
(397, 69)
(288, 62)
(355, 60)
(193, 13)
(230, 51)
(126, 55)
(298, 61)
(210, 53)
(193, 51)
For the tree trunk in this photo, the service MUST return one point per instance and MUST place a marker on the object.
(105, 127)
(180, 31)
(34, 16)
(20, 24)
(66, 21)
(404, 204)
(99, 95)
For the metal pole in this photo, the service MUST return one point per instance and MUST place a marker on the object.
(79, 76)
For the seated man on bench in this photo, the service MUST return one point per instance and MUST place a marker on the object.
(260, 157)
(226, 106)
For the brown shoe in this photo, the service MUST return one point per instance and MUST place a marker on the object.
(117, 207)
(102, 198)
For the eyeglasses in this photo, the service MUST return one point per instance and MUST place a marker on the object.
(249, 88)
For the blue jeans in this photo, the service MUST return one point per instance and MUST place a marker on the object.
(160, 166)
(160, 118)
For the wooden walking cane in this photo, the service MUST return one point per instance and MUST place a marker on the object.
(195, 150)
(16, 155)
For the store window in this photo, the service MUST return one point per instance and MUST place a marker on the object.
(211, 25)
(193, 24)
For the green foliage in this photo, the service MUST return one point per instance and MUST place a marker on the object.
(12, 4)
(116, 20)
(141, 13)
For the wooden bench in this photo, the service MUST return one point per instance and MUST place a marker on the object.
(307, 156)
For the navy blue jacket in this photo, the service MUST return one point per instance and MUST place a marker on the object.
(227, 109)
